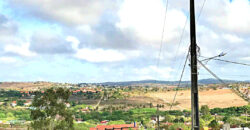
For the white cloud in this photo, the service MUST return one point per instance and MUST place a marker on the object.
(8, 60)
(22, 49)
(245, 58)
(85, 29)
(232, 38)
(75, 42)
(73, 12)
(153, 72)
(234, 17)
(145, 17)
(99, 55)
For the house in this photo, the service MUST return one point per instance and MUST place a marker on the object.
(27, 103)
(113, 127)
(1, 103)
(85, 110)
(13, 104)
(104, 122)
(78, 120)
(67, 104)
(168, 123)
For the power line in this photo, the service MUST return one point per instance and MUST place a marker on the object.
(162, 35)
(215, 58)
(201, 10)
(180, 41)
(230, 75)
(181, 37)
(183, 69)
(232, 62)
(213, 74)
(210, 58)
(187, 53)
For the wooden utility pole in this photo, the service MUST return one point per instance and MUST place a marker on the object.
(158, 119)
(194, 77)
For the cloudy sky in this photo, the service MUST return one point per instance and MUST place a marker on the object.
(118, 40)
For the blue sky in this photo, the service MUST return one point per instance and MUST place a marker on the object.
(118, 40)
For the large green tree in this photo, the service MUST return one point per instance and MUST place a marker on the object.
(49, 111)
(214, 125)
(205, 110)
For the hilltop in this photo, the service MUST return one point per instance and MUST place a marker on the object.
(201, 81)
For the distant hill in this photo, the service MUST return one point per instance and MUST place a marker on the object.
(202, 81)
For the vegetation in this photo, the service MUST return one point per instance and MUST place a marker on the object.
(60, 108)
(50, 112)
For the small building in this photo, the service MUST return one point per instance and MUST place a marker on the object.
(13, 104)
(67, 104)
(104, 122)
(116, 127)
(27, 103)
(85, 110)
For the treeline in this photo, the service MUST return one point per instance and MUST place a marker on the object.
(236, 111)
(10, 93)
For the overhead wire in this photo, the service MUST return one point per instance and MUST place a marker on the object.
(233, 62)
(180, 41)
(179, 83)
(213, 74)
(187, 54)
(216, 58)
(162, 35)
(204, 2)
(228, 75)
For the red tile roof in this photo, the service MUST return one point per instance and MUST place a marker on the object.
(124, 126)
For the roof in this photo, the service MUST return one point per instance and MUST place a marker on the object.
(124, 126)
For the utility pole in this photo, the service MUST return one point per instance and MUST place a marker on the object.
(158, 119)
(194, 77)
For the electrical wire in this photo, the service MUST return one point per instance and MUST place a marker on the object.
(233, 62)
(162, 35)
(215, 58)
(213, 74)
(229, 75)
(183, 69)
(204, 2)
(187, 53)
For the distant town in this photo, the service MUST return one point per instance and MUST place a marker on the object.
(135, 106)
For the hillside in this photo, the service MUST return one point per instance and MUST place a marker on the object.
(27, 85)
(201, 81)
(221, 98)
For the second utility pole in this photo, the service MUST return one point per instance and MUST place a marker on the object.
(194, 77)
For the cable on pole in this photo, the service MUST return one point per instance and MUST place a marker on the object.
(213, 74)
(233, 62)
(210, 58)
(223, 54)
(183, 69)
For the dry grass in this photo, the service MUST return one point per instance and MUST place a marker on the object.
(26, 86)
(221, 98)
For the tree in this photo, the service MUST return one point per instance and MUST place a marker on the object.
(50, 111)
(2, 115)
(205, 110)
(214, 125)
(20, 102)
(118, 122)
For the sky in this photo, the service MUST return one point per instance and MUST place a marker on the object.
(119, 40)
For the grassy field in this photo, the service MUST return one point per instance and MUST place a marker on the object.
(27, 86)
(221, 98)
